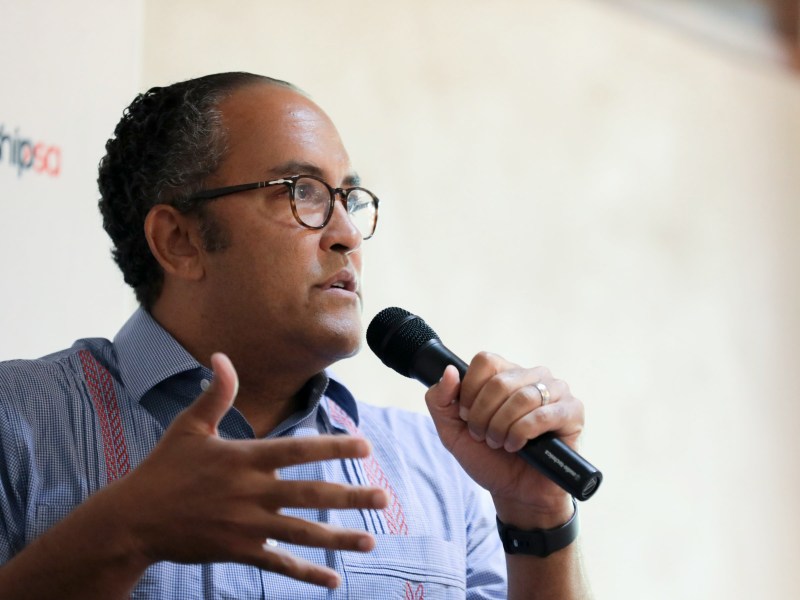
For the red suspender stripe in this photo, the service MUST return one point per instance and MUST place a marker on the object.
(393, 513)
(395, 517)
(104, 399)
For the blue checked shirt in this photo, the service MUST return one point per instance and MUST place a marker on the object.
(76, 420)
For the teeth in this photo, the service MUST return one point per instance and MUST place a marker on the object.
(338, 285)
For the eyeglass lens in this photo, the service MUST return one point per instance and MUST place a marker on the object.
(312, 200)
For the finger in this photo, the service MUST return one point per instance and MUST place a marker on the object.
(564, 418)
(279, 560)
(496, 391)
(319, 494)
(300, 532)
(555, 389)
(482, 368)
(523, 401)
(443, 405)
(208, 409)
(285, 452)
(444, 394)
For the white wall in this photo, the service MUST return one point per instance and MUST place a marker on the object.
(68, 70)
(562, 183)
(570, 185)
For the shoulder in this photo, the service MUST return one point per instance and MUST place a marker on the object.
(410, 437)
(30, 383)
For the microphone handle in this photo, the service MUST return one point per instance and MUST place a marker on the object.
(546, 453)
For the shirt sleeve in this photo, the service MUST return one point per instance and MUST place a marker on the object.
(486, 565)
(12, 513)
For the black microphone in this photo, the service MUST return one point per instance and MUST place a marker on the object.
(407, 344)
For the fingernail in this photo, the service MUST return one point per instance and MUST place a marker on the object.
(365, 448)
(475, 436)
(492, 444)
(463, 412)
(365, 544)
(379, 499)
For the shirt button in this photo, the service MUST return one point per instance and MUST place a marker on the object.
(204, 383)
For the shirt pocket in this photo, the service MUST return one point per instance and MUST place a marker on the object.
(407, 568)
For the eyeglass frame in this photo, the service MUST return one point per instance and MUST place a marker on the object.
(290, 182)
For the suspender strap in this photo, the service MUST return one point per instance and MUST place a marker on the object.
(393, 513)
(106, 407)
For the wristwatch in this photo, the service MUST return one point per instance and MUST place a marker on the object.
(539, 542)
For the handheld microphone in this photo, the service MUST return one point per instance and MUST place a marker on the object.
(407, 344)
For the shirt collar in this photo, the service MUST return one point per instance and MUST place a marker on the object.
(341, 395)
(148, 355)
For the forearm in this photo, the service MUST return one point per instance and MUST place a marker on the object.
(559, 576)
(86, 555)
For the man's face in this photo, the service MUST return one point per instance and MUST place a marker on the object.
(279, 291)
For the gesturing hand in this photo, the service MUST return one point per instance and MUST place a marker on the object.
(199, 498)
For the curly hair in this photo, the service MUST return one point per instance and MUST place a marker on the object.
(169, 140)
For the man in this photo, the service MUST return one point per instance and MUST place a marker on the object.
(238, 220)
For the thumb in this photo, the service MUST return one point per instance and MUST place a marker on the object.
(208, 409)
(442, 398)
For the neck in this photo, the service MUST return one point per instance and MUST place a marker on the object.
(266, 409)
(269, 389)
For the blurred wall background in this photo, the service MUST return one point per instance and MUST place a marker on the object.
(67, 69)
(565, 183)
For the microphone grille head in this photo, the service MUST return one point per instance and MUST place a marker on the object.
(395, 335)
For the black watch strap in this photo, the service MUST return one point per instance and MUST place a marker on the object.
(539, 542)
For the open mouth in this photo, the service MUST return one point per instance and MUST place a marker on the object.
(344, 280)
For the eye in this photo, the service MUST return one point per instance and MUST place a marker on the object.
(311, 192)
(303, 190)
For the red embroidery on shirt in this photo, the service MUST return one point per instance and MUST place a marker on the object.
(101, 389)
(415, 594)
(393, 513)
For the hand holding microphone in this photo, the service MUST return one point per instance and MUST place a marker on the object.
(406, 343)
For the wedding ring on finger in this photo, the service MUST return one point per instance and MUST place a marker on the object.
(270, 543)
(543, 391)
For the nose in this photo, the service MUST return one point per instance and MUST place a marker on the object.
(341, 234)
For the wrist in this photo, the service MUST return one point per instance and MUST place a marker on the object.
(116, 519)
(541, 542)
(544, 515)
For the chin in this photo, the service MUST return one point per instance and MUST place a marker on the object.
(343, 337)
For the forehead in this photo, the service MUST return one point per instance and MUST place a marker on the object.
(268, 126)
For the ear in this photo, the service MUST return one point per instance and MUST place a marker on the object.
(174, 239)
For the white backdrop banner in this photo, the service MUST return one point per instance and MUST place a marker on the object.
(59, 103)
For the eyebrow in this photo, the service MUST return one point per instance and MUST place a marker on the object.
(294, 167)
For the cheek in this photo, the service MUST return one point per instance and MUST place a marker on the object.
(279, 273)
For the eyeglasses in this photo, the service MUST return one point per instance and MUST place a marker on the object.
(313, 201)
